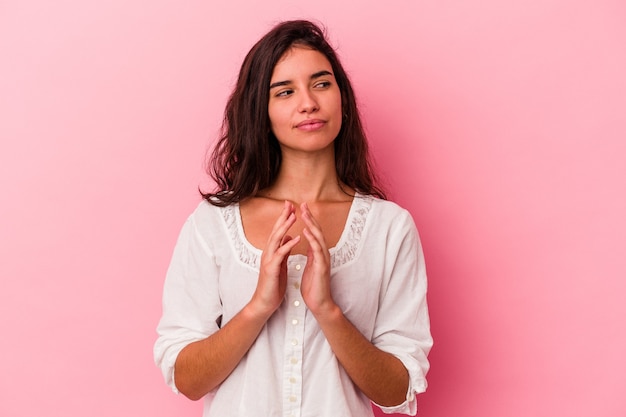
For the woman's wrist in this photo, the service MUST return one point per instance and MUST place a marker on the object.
(257, 311)
(327, 314)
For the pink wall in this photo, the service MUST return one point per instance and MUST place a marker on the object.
(500, 125)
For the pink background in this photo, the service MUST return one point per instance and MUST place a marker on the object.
(500, 125)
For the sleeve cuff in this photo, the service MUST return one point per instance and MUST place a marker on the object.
(408, 407)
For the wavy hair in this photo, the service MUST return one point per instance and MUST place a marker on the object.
(247, 156)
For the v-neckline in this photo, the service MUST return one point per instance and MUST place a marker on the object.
(342, 252)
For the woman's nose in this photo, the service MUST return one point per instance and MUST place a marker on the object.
(307, 103)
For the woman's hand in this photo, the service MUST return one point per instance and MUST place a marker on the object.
(380, 375)
(315, 286)
(272, 284)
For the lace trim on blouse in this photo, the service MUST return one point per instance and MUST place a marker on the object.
(242, 249)
(345, 251)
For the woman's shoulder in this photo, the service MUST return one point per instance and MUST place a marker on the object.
(387, 206)
(204, 208)
(390, 213)
(206, 214)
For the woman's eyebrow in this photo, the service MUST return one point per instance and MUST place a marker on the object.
(321, 74)
(314, 76)
(279, 84)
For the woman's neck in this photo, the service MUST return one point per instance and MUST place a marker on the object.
(307, 178)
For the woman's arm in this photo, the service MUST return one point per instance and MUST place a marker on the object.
(381, 376)
(201, 366)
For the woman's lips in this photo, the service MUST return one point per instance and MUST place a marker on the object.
(310, 125)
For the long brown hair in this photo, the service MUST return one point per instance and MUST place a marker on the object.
(247, 157)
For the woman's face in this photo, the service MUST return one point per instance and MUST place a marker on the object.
(305, 102)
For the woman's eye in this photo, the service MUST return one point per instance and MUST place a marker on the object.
(323, 84)
(284, 93)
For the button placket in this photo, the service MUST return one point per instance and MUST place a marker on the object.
(294, 338)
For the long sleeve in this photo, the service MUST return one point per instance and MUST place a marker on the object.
(402, 325)
(191, 304)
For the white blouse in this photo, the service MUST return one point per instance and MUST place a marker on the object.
(378, 279)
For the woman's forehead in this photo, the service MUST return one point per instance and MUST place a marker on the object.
(300, 59)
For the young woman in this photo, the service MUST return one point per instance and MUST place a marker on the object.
(295, 289)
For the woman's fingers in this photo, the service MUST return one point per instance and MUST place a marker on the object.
(314, 243)
(313, 231)
(315, 287)
(285, 220)
(287, 245)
